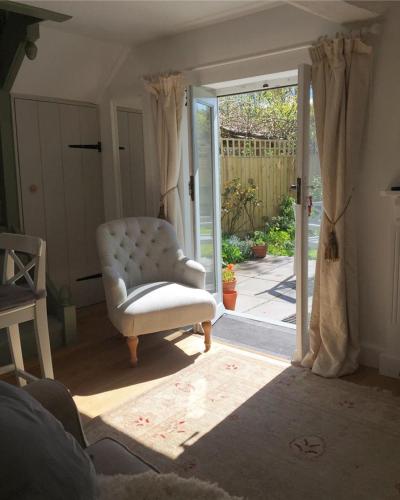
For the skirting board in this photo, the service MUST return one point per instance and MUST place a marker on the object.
(374, 357)
(389, 365)
(369, 355)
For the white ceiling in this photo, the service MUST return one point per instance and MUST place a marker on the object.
(132, 22)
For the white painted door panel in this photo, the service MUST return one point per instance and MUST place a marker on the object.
(130, 131)
(67, 206)
(53, 192)
(31, 185)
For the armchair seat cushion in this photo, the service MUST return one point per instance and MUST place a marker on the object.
(163, 305)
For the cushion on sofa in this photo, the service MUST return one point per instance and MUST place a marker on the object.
(38, 459)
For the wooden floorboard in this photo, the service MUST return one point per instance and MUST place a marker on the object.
(97, 371)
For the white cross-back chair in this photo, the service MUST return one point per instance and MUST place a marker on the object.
(23, 299)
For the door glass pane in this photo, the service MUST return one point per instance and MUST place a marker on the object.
(205, 173)
(315, 210)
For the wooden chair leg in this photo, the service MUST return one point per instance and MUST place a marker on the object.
(43, 339)
(207, 334)
(14, 341)
(132, 345)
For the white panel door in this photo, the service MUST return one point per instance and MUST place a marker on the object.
(61, 190)
(130, 132)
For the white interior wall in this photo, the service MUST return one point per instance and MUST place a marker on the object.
(274, 29)
(376, 230)
(69, 66)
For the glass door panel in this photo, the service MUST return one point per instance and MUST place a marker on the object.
(314, 204)
(205, 174)
(207, 223)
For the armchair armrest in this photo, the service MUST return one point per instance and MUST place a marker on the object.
(114, 287)
(57, 400)
(190, 273)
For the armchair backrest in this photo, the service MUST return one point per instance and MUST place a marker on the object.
(139, 249)
(15, 269)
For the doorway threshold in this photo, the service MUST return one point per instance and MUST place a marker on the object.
(290, 327)
(273, 338)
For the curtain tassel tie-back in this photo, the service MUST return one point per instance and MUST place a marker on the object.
(161, 212)
(332, 247)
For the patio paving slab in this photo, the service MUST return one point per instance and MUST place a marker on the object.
(255, 286)
(277, 309)
(267, 287)
(246, 302)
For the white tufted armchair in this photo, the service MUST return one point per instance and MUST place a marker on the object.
(150, 286)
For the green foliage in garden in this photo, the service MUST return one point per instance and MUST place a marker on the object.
(259, 238)
(279, 235)
(281, 229)
(235, 250)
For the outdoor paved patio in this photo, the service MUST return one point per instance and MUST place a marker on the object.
(267, 287)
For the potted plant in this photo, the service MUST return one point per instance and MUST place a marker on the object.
(228, 278)
(228, 287)
(259, 246)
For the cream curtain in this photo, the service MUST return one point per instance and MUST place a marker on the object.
(167, 95)
(340, 82)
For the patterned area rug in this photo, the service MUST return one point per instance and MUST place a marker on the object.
(264, 430)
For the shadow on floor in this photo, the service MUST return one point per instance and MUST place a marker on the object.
(273, 442)
(105, 366)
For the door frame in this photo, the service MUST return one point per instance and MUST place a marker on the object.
(302, 174)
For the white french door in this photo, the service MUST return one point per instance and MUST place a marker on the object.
(308, 209)
(206, 189)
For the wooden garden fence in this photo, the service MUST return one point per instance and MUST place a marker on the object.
(269, 165)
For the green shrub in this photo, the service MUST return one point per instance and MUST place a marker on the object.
(281, 229)
(259, 238)
(285, 220)
(280, 242)
(235, 250)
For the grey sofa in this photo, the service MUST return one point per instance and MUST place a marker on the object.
(108, 456)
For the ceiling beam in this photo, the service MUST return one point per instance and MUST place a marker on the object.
(32, 11)
(337, 11)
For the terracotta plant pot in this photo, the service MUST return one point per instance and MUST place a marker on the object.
(259, 251)
(228, 286)
(229, 299)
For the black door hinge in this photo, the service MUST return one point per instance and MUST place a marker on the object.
(90, 277)
(191, 187)
(87, 146)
